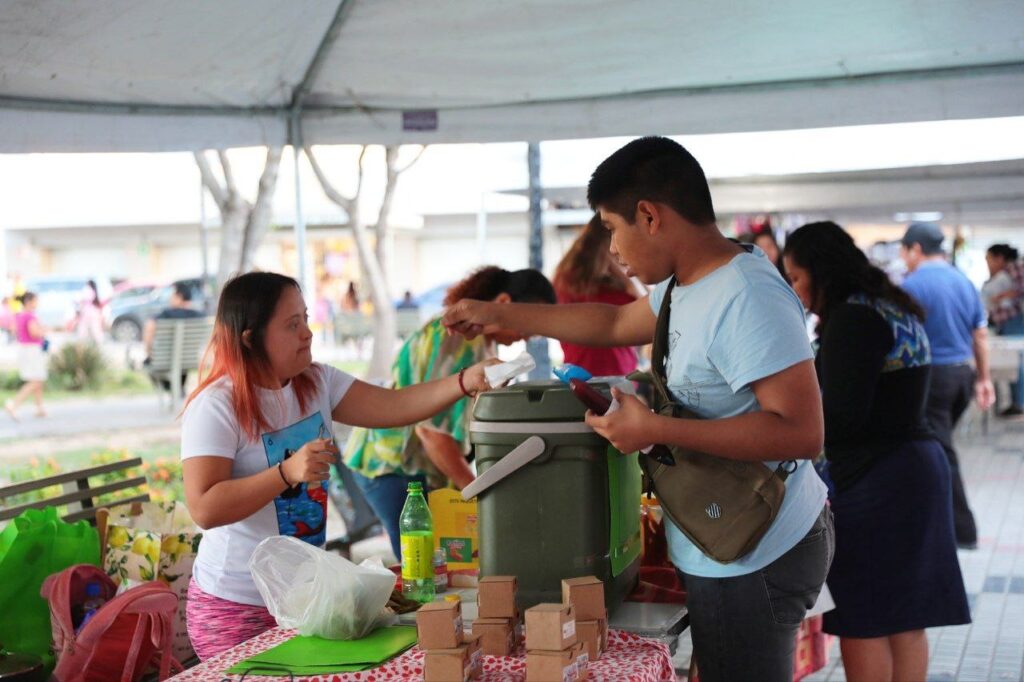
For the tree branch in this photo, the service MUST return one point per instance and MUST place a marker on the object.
(416, 158)
(330, 190)
(210, 180)
(229, 177)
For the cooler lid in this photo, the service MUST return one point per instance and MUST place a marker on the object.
(532, 401)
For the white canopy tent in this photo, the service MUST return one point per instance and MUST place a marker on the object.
(158, 75)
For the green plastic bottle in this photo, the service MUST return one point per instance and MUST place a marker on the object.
(416, 528)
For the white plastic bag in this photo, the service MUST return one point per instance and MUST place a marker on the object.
(319, 593)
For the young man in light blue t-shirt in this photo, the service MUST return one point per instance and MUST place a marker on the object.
(739, 357)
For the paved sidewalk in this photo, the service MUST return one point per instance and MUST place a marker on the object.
(992, 647)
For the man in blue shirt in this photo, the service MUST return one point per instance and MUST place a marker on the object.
(739, 357)
(957, 329)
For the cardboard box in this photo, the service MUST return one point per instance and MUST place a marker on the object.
(497, 636)
(461, 664)
(590, 633)
(496, 597)
(551, 666)
(439, 625)
(582, 661)
(586, 595)
(550, 627)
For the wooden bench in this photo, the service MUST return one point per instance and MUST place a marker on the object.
(78, 495)
(177, 349)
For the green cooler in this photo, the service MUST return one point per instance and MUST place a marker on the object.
(572, 509)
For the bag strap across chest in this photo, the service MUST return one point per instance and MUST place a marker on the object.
(665, 404)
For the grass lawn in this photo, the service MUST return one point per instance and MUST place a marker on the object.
(115, 382)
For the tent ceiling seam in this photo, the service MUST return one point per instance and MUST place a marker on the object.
(85, 106)
(316, 64)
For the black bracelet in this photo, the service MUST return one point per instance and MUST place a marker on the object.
(280, 470)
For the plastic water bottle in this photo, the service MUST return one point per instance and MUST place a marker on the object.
(416, 529)
(93, 601)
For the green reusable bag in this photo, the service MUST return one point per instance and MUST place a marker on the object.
(33, 546)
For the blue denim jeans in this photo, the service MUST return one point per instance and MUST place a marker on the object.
(386, 495)
(744, 628)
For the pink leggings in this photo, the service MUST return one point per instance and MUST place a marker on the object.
(215, 625)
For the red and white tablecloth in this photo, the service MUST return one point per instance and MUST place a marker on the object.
(629, 658)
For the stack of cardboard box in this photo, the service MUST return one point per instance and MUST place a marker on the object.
(451, 655)
(498, 623)
(553, 651)
(586, 596)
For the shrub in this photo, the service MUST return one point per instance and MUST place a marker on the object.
(77, 366)
(10, 380)
(163, 476)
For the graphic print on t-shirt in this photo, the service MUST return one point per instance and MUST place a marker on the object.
(301, 511)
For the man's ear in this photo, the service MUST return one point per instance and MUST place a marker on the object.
(247, 338)
(503, 297)
(648, 216)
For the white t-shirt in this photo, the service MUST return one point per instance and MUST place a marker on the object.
(210, 427)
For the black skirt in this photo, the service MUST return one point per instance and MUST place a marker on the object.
(895, 567)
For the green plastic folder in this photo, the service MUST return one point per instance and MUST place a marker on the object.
(316, 656)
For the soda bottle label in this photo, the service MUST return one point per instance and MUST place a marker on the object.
(418, 557)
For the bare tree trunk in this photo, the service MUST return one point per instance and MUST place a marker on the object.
(243, 225)
(259, 217)
(373, 260)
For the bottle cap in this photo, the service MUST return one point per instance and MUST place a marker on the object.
(415, 487)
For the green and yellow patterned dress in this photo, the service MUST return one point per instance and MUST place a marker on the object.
(428, 354)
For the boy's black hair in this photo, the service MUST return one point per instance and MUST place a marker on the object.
(653, 169)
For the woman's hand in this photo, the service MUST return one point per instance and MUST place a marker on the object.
(628, 428)
(474, 380)
(312, 463)
(469, 317)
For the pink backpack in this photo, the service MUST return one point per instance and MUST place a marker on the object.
(129, 632)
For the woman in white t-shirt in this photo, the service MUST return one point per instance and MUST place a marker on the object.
(256, 445)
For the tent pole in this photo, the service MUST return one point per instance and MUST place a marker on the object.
(301, 252)
(538, 345)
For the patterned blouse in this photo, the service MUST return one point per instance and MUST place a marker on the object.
(428, 354)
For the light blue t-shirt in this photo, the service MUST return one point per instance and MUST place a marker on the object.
(734, 326)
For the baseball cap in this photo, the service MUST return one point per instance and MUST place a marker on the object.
(928, 235)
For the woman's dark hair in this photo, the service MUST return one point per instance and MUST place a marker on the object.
(1005, 251)
(587, 267)
(838, 269)
(95, 293)
(26, 297)
(247, 304)
(652, 169)
(485, 284)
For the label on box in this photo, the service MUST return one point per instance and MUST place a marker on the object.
(458, 550)
(458, 626)
(417, 557)
(582, 661)
(568, 629)
(472, 665)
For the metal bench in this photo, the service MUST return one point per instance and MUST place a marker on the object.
(81, 499)
(177, 349)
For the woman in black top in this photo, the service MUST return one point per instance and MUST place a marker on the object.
(895, 570)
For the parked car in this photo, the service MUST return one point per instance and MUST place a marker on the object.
(128, 314)
(60, 296)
